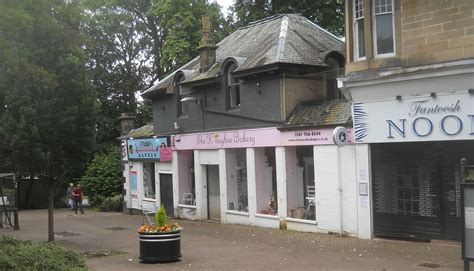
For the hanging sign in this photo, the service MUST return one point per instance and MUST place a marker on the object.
(340, 136)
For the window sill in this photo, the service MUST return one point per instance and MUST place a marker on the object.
(384, 56)
(232, 212)
(267, 216)
(186, 206)
(149, 199)
(303, 221)
(234, 110)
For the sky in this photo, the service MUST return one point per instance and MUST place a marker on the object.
(225, 4)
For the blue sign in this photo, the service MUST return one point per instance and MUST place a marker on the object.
(133, 183)
(148, 148)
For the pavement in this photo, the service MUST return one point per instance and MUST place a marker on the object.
(110, 242)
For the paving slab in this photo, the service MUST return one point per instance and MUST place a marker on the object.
(110, 242)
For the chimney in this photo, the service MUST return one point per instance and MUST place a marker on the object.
(126, 123)
(207, 48)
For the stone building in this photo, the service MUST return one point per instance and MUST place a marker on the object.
(410, 78)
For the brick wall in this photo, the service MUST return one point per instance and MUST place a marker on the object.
(436, 30)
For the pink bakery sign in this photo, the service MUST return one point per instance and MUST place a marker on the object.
(262, 137)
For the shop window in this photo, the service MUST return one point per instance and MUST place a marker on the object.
(301, 189)
(359, 45)
(149, 180)
(267, 197)
(237, 192)
(186, 178)
(383, 27)
(232, 86)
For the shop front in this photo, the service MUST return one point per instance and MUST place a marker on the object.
(148, 174)
(414, 145)
(267, 177)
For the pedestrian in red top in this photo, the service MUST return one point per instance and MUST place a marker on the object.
(77, 193)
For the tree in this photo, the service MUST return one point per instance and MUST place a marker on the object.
(180, 21)
(121, 48)
(132, 43)
(103, 177)
(48, 118)
(329, 14)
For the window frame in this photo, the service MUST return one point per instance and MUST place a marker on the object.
(232, 82)
(356, 37)
(180, 95)
(152, 181)
(374, 30)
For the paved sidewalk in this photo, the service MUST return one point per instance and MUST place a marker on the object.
(112, 241)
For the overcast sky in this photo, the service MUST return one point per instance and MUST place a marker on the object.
(225, 4)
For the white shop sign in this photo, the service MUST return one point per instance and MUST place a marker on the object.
(442, 117)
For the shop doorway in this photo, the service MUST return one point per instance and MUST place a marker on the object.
(213, 193)
(416, 188)
(166, 193)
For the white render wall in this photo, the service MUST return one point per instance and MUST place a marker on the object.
(334, 166)
(139, 202)
(336, 199)
(364, 204)
(281, 175)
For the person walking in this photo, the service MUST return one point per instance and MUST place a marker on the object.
(70, 197)
(77, 193)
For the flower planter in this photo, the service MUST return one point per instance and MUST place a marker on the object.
(160, 246)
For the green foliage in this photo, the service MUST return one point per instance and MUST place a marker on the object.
(47, 121)
(112, 204)
(121, 50)
(144, 113)
(180, 21)
(132, 43)
(329, 14)
(26, 255)
(102, 179)
(160, 216)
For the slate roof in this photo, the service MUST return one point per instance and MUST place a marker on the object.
(286, 38)
(328, 113)
(142, 132)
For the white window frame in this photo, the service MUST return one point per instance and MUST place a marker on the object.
(374, 31)
(356, 32)
(181, 93)
(232, 82)
(154, 179)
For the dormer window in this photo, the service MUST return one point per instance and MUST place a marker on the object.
(181, 92)
(232, 86)
(359, 44)
(333, 92)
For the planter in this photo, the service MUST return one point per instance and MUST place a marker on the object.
(160, 246)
